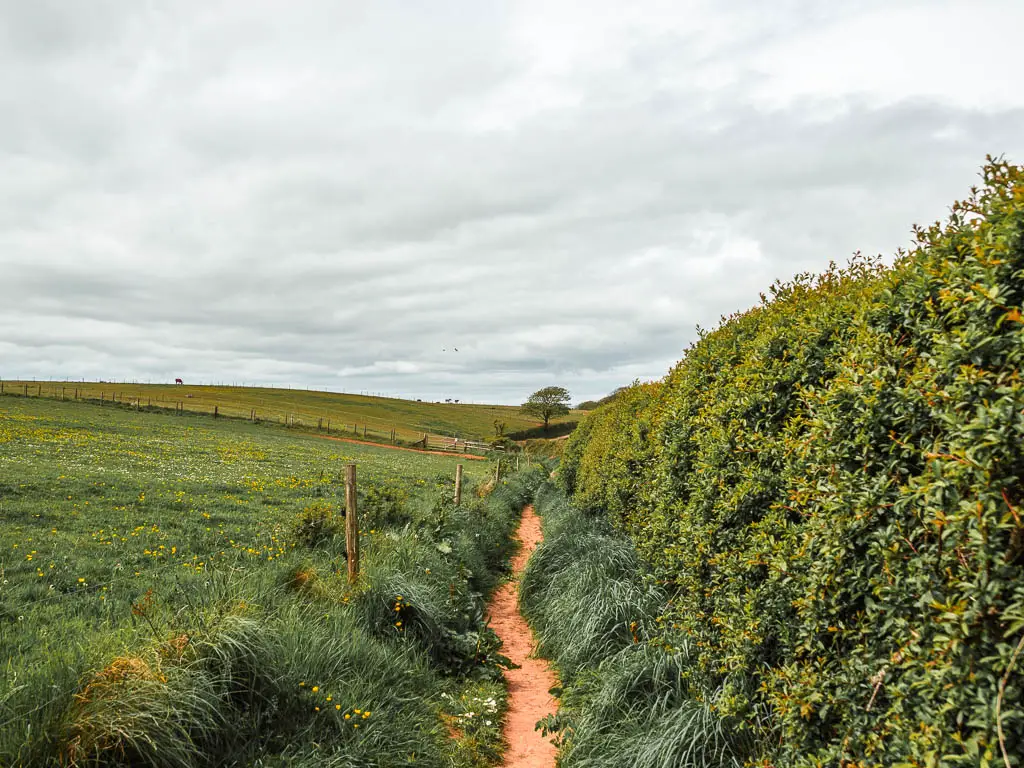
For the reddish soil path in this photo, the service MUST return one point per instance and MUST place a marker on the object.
(454, 455)
(528, 686)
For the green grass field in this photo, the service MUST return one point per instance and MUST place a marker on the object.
(379, 415)
(130, 487)
(124, 531)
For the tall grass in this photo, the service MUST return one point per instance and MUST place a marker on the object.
(628, 702)
(249, 682)
(288, 664)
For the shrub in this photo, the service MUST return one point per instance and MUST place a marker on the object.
(616, 448)
(831, 492)
(317, 525)
(383, 506)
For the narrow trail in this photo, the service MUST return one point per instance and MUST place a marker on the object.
(528, 686)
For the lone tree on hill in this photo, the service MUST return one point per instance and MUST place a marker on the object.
(548, 402)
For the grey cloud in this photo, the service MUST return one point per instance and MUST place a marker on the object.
(332, 196)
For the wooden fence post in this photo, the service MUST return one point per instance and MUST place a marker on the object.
(328, 426)
(26, 390)
(320, 424)
(216, 409)
(497, 472)
(39, 391)
(351, 524)
(458, 484)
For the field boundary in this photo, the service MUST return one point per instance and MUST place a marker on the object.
(452, 454)
(371, 435)
(361, 416)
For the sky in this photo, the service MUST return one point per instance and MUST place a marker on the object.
(467, 199)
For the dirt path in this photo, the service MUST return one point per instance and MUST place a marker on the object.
(469, 456)
(528, 686)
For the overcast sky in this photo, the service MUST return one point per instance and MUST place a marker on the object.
(340, 194)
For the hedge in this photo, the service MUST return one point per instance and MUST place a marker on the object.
(829, 486)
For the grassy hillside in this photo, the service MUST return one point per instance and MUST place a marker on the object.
(351, 413)
(174, 593)
(829, 488)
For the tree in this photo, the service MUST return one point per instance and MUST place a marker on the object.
(547, 402)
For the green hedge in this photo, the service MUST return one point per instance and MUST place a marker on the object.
(616, 447)
(830, 486)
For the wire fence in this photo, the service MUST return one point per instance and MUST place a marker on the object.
(206, 405)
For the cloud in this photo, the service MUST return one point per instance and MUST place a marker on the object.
(338, 195)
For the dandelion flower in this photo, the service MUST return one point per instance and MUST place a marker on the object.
(316, 688)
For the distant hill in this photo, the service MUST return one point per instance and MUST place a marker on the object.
(378, 415)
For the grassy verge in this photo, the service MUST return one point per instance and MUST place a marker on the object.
(193, 609)
(628, 700)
